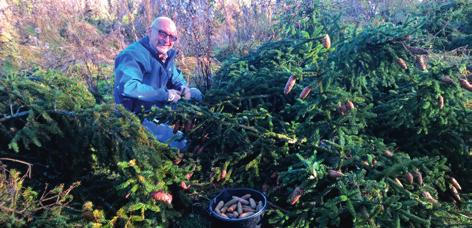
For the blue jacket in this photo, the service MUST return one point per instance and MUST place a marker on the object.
(142, 79)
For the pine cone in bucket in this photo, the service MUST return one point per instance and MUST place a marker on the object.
(238, 207)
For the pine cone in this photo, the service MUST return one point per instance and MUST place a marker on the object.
(398, 182)
(428, 196)
(419, 177)
(305, 92)
(447, 80)
(295, 195)
(388, 153)
(162, 196)
(455, 183)
(184, 186)
(455, 193)
(409, 177)
(441, 102)
(402, 63)
(223, 174)
(188, 176)
(179, 158)
(349, 106)
(335, 173)
(421, 62)
(465, 84)
(289, 85)
(326, 41)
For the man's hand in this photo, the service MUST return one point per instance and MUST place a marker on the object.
(174, 95)
(185, 93)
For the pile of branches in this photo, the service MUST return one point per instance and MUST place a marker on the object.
(369, 130)
(337, 125)
(52, 123)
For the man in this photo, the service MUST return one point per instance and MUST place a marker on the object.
(146, 75)
(145, 72)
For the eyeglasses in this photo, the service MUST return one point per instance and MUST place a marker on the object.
(164, 35)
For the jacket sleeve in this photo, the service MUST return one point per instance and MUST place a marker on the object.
(177, 81)
(129, 71)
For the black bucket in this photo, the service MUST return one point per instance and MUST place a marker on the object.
(252, 221)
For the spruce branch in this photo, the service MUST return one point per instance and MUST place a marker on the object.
(25, 113)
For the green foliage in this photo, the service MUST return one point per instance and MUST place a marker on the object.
(448, 23)
(23, 206)
(279, 143)
(342, 156)
(50, 119)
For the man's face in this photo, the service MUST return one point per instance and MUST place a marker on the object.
(163, 36)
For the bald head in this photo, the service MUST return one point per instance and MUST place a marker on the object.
(163, 22)
(162, 34)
